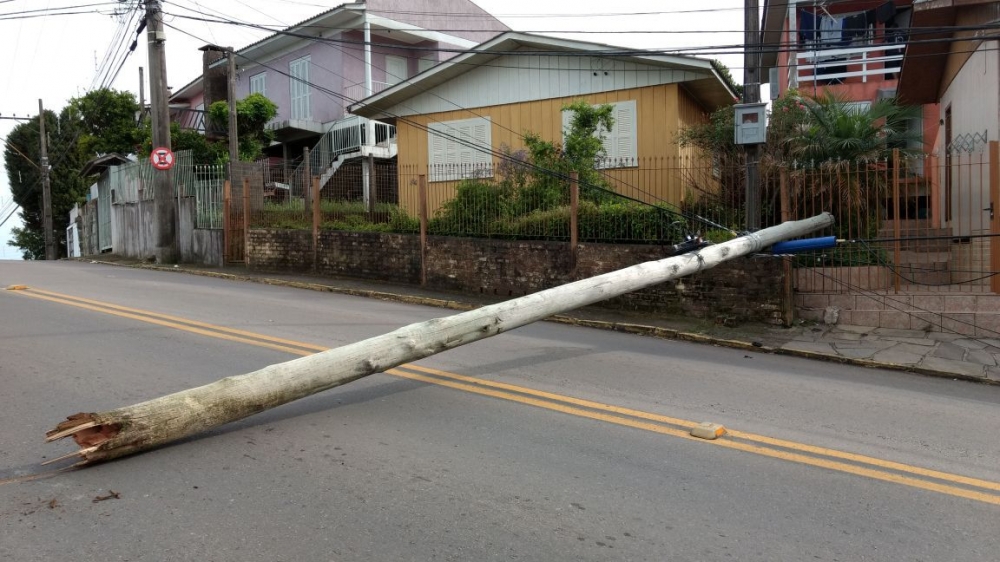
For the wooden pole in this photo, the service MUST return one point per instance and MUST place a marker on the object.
(50, 244)
(307, 166)
(116, 433)
(315, 221)
(788, 296)
(227, 215)
(422, 181)
(574, 209)
(994, 209)
(246, 221)
(897, 219)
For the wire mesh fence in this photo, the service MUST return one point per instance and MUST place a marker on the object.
(907, 224)
(656, 200)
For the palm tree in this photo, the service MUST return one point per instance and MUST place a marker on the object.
(843, 151)
(837, 131)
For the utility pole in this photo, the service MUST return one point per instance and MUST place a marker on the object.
(50, 247)
(165, 229)
(751, 94)
(123, 431)
(234, 140)
(142, 95)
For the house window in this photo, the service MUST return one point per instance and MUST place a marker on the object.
(620, 144)
(257, 84)
(425, 63)
(298, 70)
(459, 149)
(395, 70)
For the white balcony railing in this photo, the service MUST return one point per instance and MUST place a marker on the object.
(837, 64)
(357, 91)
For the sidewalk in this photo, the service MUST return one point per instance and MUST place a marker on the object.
(929, 353)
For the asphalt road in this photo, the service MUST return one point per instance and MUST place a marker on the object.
(550, 442)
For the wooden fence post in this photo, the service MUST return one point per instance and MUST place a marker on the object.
(246, 221)
(574, 209)
(371, 193)
(315, 221)
(422, 181)
(306, 196)
(788, 296)
(994, 215)
(896, 232)
(227, 214)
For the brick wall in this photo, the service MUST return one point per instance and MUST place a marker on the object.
(387, 257)
(736, 291)
(280, 250)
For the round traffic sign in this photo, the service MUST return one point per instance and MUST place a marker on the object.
(162, 158)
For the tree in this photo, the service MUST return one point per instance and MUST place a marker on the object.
(252, 114)
(108, 122)
(30, 242)
(838, 132)
(580, 152)
(203, 151)
(22, 158)
(828, 133)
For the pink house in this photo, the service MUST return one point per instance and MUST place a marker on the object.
(852, 48)
(315, 68)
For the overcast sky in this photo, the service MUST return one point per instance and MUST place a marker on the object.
(57, 57)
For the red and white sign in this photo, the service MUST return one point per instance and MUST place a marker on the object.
(162, 158)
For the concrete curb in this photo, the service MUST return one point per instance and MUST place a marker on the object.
(625, 327)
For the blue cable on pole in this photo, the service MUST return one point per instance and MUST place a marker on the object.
(806, 245)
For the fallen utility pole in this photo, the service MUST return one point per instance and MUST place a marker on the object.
(116, 433)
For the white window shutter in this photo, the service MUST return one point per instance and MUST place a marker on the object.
(620, 143)
(455, 146)
(298, 71)
(625, 130)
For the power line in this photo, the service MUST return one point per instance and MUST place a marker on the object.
(705, 50)
(469, 144)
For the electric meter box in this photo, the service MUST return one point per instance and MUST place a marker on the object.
(751, 125)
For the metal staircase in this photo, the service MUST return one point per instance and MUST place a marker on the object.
(348, 139)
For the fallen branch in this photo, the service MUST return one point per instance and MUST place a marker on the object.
(116, 433)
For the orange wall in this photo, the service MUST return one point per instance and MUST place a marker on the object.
(661, 112)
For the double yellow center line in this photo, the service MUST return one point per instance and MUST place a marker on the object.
(860, 465)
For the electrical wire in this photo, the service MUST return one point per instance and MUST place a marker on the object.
(702, 51)
(908, 308)
(342, 97)
(474, 146)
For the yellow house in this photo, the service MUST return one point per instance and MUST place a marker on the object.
(460, 113)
